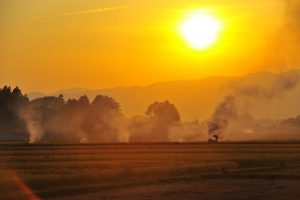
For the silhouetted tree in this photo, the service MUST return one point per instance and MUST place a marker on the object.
(164, 112)
(84, 100)
(101, 121)
(47, 106)
(164, 115)
(52, 118)
(292, 122)
(161, 116)
(70, 120)
(12, 126)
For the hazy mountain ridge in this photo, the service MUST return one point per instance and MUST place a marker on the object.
(195, 98)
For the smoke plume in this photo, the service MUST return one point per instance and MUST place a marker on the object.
(51, 119)
(33, 123)
(278, 88)
(229, 107)
(224, 112)
(187, 132)
(292, 33)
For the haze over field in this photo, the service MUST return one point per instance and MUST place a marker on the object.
(245, 108)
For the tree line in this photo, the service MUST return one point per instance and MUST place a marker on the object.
(53, 119)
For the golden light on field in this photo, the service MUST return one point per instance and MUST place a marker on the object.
(200, 30)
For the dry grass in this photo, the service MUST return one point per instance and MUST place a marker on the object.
(66, 170)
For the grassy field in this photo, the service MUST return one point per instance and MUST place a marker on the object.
(150, 171)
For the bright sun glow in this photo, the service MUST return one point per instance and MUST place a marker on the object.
(200, 30)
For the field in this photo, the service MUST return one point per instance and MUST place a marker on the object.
(150, 171)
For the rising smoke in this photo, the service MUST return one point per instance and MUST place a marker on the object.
(224, 112)
(229, 108)
(292, 28)
(33, 123)
(53, 119)
(281, 50)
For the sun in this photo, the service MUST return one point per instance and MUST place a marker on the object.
(200, 30)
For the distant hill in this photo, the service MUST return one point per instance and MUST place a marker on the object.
(34, 95)
(195, 99)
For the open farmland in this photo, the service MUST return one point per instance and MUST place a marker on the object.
(150, 171)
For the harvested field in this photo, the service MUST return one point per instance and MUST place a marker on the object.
(150, 171)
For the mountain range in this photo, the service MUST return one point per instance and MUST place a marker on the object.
(196, 99)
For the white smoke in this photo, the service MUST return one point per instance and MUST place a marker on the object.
(33, 124)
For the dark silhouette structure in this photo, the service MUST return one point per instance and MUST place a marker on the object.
(213, 140)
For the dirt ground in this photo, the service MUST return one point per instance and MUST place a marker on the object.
(205, 189)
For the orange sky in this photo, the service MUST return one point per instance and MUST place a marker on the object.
(52, 44)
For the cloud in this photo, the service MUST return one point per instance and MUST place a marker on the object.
(92, 11)
(82, 12)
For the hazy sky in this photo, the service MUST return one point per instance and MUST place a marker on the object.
(53, 44)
